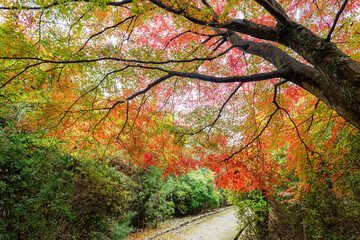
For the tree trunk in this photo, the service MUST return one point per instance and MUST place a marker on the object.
(333, 77)
(340, 85)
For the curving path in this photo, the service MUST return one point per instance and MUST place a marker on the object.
(221, 226)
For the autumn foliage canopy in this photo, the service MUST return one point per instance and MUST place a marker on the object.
(252, 90)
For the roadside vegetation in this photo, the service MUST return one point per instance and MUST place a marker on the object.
(323, 211)
(48, 193)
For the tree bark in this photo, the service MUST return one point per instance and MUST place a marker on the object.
(340, 84)
(333, 77)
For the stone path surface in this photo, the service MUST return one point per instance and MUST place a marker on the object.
(221, 226)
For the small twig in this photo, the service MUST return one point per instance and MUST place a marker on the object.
(321, 16)
(219, 45)
(142, 103)
(207, 5)
(173, 38)
(127, 30)
(77, 21)
(126, 120)
(336, 20)
(312, 116)
(26, 68)
(211, 125)
(87, 92)
(298, 132)
(104, 30)
(223, 106)
(266, 125)
(42, 12)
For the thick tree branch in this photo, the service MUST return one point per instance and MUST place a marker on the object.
(241, 79)
(241, 25)
(269, 52)
(56, 3)
(275, 10)
(251, 28)
(42, 60)
(141, 92)
(325, 80)
(207, 78)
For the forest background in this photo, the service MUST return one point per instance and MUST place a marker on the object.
(101, 100)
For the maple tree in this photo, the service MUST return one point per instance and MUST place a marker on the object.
(265, 93)
(165, 81)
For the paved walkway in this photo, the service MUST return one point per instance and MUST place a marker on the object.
(221, 226)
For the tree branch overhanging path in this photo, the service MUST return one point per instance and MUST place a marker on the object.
(316, 64)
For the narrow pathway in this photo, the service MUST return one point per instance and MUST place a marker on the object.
(221, 226)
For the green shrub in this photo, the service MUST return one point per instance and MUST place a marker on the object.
(330, 209)
(158, 199)
(252, 212)
(48, 194)
(152, 203)
(194, 192)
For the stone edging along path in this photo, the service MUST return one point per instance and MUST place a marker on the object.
(186, 223)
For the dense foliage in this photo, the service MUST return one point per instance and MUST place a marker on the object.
(46, 193)
(186, 194)
(327, 206)
(194, 192)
